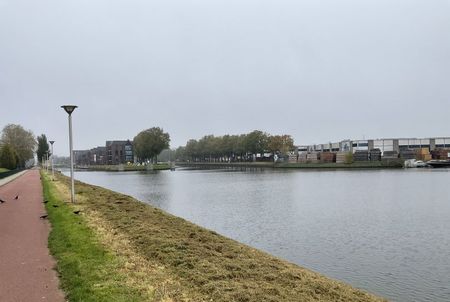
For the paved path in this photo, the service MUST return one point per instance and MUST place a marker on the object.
(26, 268)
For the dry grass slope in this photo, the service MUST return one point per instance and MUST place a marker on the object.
(175, 260)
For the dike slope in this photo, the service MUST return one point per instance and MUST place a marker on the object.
(166, 258)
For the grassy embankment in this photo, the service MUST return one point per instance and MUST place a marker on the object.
(119, 249)
(160, 166)
(3, 170)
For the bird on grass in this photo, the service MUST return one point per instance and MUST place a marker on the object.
(55, 205)
(77, 212)
(45, 201)
(43, 217)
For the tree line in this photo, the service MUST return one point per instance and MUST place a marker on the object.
(242, 147)
(18, 145)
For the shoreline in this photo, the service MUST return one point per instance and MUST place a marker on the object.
(368, 165)
(125, 168)
(201, 264)
(392, 164)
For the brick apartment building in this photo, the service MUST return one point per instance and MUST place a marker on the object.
(113, 153)
(98, 156)
(119, 152)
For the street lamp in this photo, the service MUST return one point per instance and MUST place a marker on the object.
(46, 160)
(69, 109)
(53, 170)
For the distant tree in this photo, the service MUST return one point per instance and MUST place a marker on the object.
(239, 144)
(8, 157)
(207, 147)
(42, 148)
(22, 141)
(256, 142)
(149, 143)
(235, 147)
(280, 143)
(191, 149)
(180, 154)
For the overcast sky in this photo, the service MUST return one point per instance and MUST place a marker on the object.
(318, 70)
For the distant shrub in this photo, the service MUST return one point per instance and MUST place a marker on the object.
(8, 157)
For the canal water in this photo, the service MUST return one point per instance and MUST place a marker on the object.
(387, 232)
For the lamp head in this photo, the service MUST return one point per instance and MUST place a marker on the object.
(51, 142)
(69, 108)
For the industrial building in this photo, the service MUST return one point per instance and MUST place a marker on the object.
(384, 144)
(376, 149)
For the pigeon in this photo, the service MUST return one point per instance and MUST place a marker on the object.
(77, 212)
(17, 197)
(2, 201)
(55, 205)
(43, 217)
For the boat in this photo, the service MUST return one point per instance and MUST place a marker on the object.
(439, 163)
(420, 164)
(412, 163)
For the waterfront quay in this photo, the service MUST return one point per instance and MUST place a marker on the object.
(347, 151)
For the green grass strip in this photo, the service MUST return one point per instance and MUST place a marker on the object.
(88, 272)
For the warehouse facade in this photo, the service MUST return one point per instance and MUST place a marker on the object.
(375, 149)
(384, 144)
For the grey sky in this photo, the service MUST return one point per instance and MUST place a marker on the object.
(318, 70)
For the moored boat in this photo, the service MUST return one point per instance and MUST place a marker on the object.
(439, 163)
(412, 163)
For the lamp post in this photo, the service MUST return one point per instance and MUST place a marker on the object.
(69, 109)
(51, 158)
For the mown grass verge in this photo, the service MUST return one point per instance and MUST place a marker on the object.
(88, 271)
(179, 261)
(3, 170)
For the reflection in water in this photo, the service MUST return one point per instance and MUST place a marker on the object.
(383, 231)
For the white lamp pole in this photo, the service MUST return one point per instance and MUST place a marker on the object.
(69, 109)
(51, 157)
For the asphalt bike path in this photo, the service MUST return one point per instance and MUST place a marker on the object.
(26, 268)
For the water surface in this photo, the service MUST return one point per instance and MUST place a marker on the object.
(387, 232)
